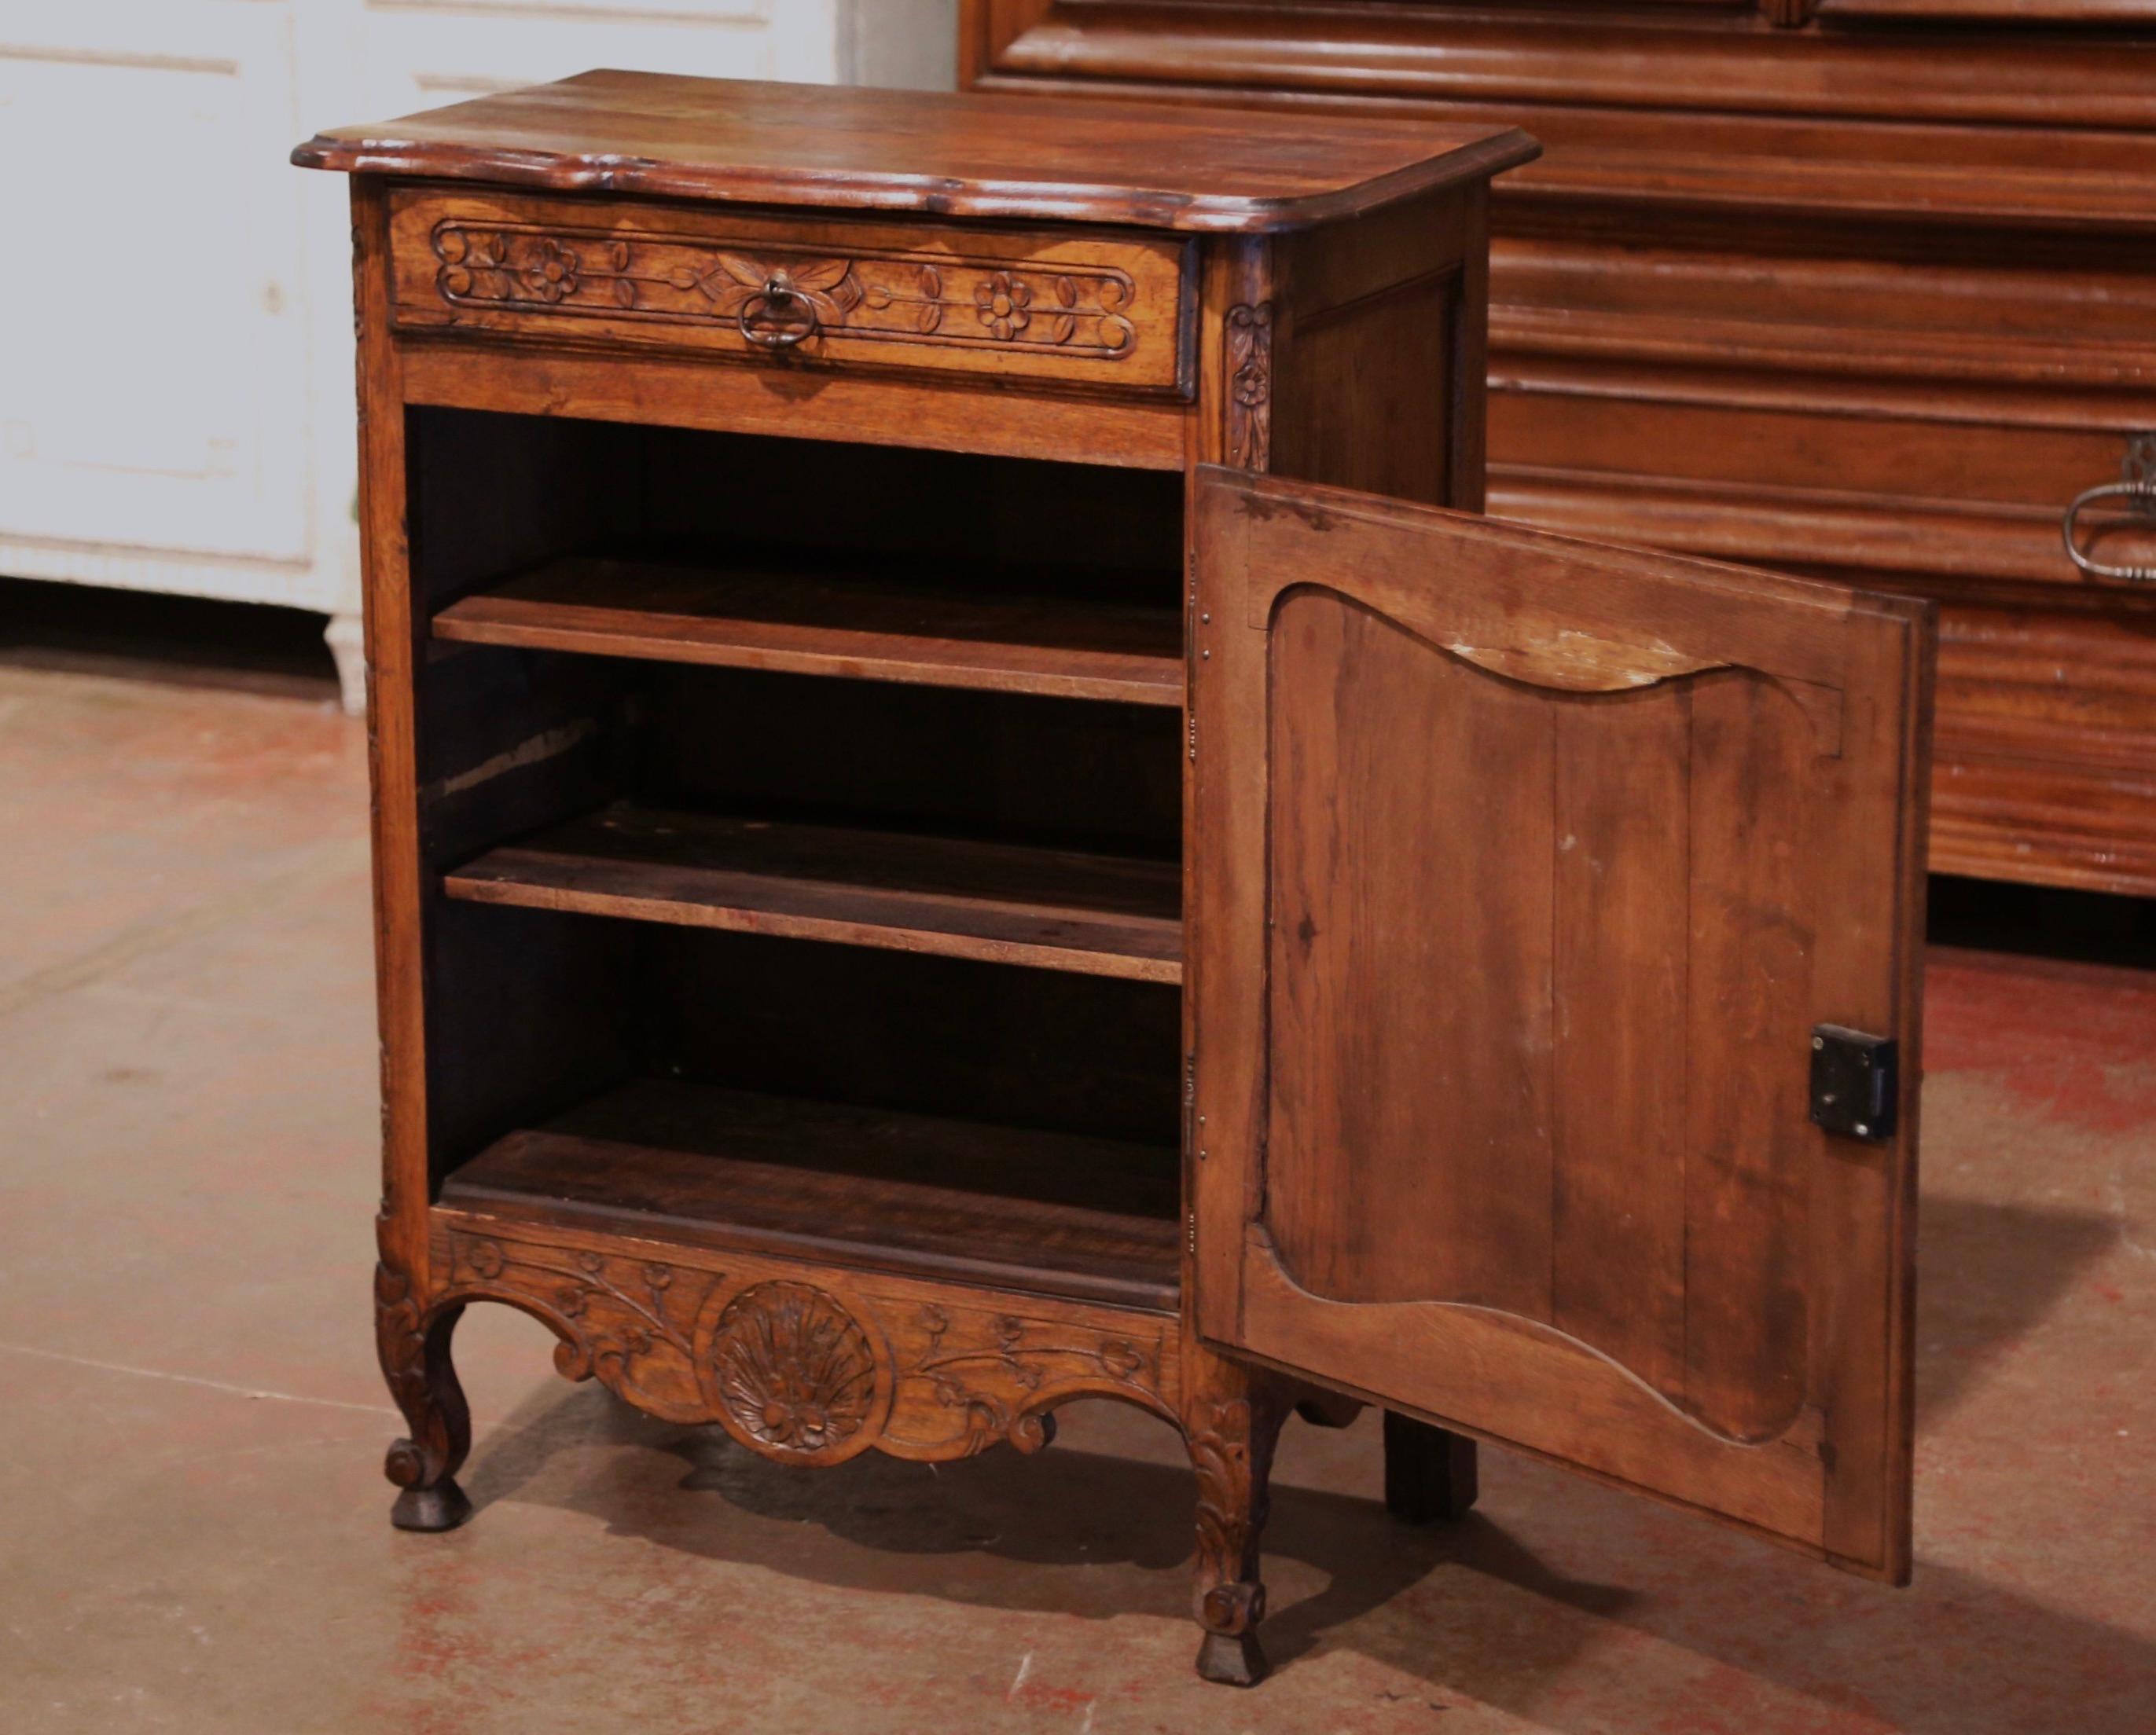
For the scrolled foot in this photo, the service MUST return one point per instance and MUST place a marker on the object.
(414, 1345)
(1231, 1659)
(1231, 1426)
(442, 1506)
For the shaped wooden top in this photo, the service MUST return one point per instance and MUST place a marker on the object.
(736, 141)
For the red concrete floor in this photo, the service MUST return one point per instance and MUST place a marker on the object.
(194, 1532)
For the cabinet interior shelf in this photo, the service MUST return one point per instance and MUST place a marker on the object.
(1004, 903)
(814, 620)
(873, 1188)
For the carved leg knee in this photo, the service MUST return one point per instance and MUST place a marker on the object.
(1231, 1447)
(1429, 1472)
(414, 1348)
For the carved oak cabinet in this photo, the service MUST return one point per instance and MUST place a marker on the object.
(934, 859)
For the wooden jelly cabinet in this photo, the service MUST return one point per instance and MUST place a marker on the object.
(933, 860)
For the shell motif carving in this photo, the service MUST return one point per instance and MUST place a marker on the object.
(794, 1372)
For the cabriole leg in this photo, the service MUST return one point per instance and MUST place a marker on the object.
(1231, 1430)
(415, 1346)
(1429, 1472)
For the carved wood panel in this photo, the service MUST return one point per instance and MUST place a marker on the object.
(1106, 311)
(1249, 373)
(810, 1367)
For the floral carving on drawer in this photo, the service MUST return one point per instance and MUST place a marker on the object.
(895, 297)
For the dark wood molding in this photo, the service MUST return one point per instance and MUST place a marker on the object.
(1713, 59)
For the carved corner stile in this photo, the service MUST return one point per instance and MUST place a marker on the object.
(1249, 336)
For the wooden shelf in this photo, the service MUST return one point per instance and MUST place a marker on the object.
(812, 622)
(1008, 904)
(1040, 1212)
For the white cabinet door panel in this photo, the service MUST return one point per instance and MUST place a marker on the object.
(154, 394)
(424, 53)
(176, 403)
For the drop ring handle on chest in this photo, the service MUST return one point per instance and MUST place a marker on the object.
(2136, 512)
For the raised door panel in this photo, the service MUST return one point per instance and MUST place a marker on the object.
(1525, 871)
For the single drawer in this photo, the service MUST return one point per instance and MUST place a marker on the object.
(1108, 310)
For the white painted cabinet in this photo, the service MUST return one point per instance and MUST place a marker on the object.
(175, 330)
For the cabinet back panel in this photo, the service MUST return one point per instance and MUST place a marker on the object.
(493, 493)
(490, 493)
(1113, 534)
(535, 1011)
(1072, 772)
(527, 1013)
(991, 1042)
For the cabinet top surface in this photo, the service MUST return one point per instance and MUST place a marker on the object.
(739, 141)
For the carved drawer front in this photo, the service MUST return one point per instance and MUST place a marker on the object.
(1109, 311)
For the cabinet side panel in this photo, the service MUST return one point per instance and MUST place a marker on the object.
(1389, 357)
(524, 1013)
(1369, 391)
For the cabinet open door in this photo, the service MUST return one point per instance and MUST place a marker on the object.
(1542, 894)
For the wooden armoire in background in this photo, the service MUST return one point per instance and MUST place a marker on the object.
(1861, 287)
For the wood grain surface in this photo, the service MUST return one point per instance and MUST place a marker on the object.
(745, 142)
(1504, 1051)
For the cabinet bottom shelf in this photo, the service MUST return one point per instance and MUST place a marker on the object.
(869, 1189)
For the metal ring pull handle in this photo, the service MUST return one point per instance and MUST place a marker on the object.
(2138, 469)
(776, 298)
(2144, 511)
